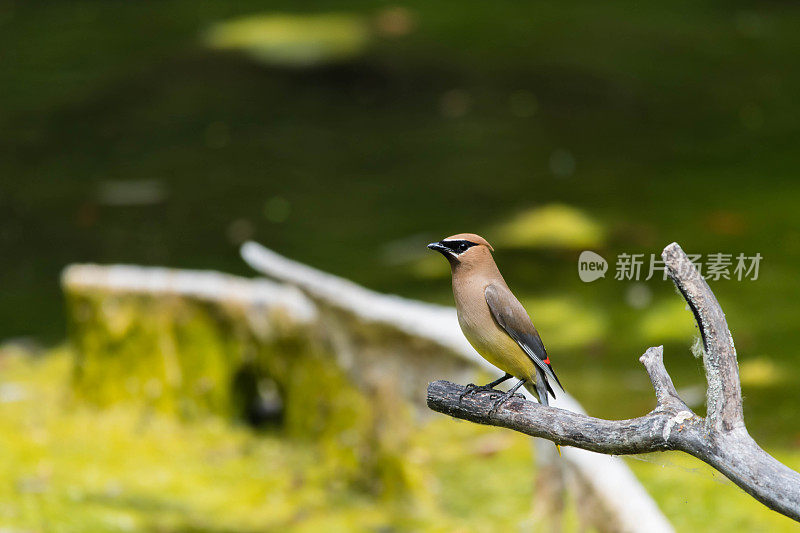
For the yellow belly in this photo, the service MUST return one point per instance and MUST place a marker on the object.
(501, 350)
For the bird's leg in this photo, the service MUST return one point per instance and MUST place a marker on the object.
(504, 398)
(498, 381)
(471, 388)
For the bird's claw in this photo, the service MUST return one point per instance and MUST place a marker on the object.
(471, 389)
(500, 401)
(503, 399)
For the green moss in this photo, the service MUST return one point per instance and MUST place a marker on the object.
(70, 467)
(667, 321)
(569, 323)
(695, 497)
(184, 357)
(171, 354)
(293, 40)
(73, 467)
(551, 226)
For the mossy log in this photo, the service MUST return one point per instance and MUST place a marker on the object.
(205, 344)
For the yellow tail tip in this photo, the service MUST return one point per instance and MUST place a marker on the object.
(559, 450)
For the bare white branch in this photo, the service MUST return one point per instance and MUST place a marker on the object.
(724, 394)
(666, 395)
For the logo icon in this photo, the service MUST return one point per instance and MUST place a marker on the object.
(591, 266)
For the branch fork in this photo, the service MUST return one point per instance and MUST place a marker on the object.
(720, 439)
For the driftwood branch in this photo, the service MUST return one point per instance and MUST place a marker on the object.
(720, 439)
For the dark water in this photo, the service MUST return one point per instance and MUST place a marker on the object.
(673, 122)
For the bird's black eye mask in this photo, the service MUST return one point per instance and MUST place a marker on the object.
(452, 249)
(458, 247)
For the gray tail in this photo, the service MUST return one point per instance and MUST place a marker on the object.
(539, 389)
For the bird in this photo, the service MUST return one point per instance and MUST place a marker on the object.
(494, 321)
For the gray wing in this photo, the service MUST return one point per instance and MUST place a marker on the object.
(512, 317)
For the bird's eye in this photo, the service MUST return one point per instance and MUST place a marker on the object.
(461, 247)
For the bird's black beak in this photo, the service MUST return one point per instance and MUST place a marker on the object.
(439, 247)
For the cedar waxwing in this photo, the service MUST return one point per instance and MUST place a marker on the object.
(493, 320)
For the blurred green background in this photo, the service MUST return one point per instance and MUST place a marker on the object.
(159, 134)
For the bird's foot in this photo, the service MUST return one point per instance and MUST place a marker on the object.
(471, 389)
(503, 399)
